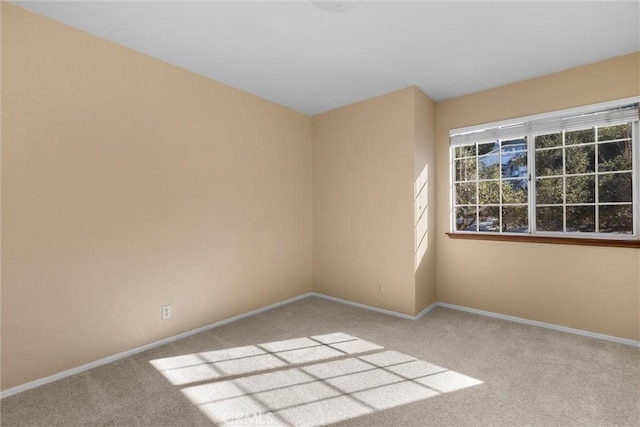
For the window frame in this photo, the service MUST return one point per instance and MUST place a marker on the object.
(532, 234)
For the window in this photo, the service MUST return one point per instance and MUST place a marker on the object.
(572, 173)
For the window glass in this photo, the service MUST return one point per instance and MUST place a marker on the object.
(577, 182)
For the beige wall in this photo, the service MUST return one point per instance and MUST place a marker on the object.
(363, 202)
(591, 288)
(366, 158)
(127, 184)
(425, 170)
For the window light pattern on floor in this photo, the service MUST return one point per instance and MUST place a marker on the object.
(302, 387)
(219, 364)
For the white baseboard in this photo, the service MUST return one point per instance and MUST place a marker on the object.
(552, 326)
(426, 310)
(377, 309)
(365, 306)
(113, 358)
(109, 359)
(545, 325)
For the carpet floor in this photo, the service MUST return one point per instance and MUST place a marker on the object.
(317, 362)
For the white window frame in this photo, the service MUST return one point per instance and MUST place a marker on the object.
(516, 124)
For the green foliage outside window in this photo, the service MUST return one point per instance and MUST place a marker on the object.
(583, 183)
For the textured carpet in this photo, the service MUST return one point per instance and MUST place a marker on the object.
(315, 362)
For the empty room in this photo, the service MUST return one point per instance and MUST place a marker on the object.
(309, 213)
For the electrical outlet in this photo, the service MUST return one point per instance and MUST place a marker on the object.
(380, 287)
(166, 312)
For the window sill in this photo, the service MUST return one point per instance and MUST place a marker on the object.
(618, 243)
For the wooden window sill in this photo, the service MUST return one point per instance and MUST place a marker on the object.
(618, 243)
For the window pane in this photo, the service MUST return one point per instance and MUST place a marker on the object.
(615, 187)
(616, 219)
(549, 191)
(466, 218)
(549, 162)
(514, 191)
(514, 145)
(514, 164)
(490, 147)
(515, 219)
(553, 140)
(580, 136)
(489, 218)
(466, 169)
(466, 193)
(581, 189)
(489, 192)
(581, 218)
(465, 151)
(614, 132)
(614, 156)
(549, 218)
(489, 167)
(581, 159)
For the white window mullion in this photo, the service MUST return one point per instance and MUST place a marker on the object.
(564, 181)
(500, 183)
(531, 165)
(597, 184)
(477, 189)
(453, 226)
(635, 177)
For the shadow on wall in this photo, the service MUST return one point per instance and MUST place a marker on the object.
(231, 386)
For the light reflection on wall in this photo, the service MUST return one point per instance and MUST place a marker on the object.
(421, 204)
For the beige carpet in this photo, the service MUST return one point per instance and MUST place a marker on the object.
(316, 362)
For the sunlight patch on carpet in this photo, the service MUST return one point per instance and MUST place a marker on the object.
(218, 364)
(303, 387)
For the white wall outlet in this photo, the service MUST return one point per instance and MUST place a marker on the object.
(166, 312)
(380, 287)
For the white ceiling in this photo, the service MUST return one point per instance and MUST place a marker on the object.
(311, 60)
